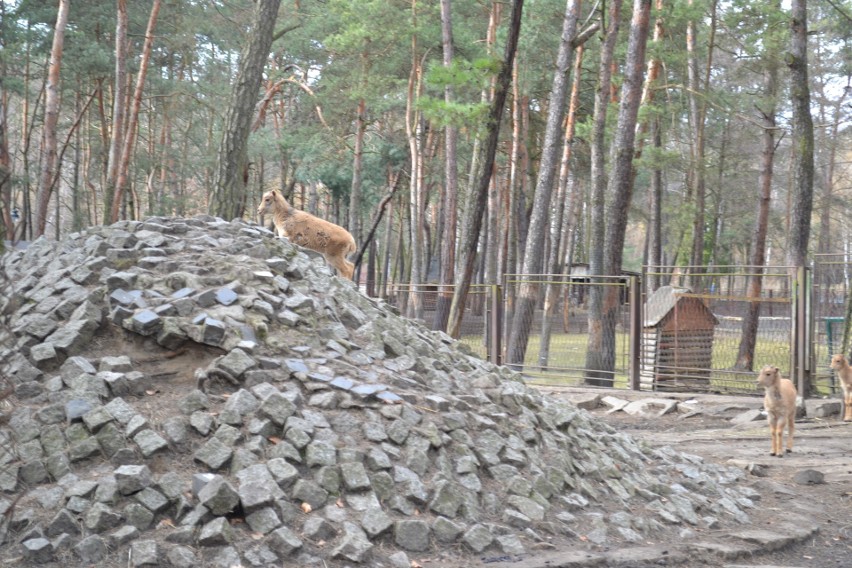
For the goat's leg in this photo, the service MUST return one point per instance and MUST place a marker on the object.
(772, 435)
(344, 268)
(777, 436)
(791, 427)
(847, 404)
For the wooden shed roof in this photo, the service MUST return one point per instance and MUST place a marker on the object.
(662, 302)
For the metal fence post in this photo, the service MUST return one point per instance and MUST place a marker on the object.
(495, 334)
(635, 332)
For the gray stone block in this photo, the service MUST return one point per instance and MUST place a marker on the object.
(131, 479)
(216, 533)
(263, 520)
(100, 518)
(37, 550)
(138, 516)
(309, 492)
(145, 553)
(219, 496)
(257, 489)
(149, 442)
(284, 541)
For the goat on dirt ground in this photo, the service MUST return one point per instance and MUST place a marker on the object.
(780, 404)
(844, 373)
(332, 241)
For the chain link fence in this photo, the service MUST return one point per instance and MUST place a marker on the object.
(552, 344)
(831, 281)
(421, 302)
(694, 329)
(711, 329)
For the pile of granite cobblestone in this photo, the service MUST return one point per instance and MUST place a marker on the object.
(321, 428)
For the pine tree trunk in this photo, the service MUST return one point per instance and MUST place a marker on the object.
(51, 119)
(130, 134)
(748, 338)
(696, 170)
(450, 202)
(596, 350)
(470, 237)
(119, 108)
(803, 137)
(415, 147)
(534, 251)
(229, 193)
(620, 185)
(563, 223)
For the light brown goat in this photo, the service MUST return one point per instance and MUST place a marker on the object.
(780, 404)
(844, 373)
(332, 241)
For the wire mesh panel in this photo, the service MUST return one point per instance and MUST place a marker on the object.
(831, 280)
(420, 302)
(710, 329)
(550, 340)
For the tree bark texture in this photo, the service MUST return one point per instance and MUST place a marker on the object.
(748, 339)
(229, 192)
(119, 108)
(471, 235)
(620, 186)
(802, 135)
(534, 253)
(121, 180)
(450, 201)
(597, 232)
(51, 119)
(414, 131)
(357, 171)
(563, 224)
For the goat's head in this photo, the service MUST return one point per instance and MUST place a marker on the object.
(838, 362)
(266, 201)
(768, 376)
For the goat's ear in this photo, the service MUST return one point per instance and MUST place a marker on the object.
(274, 192)
(776, 369)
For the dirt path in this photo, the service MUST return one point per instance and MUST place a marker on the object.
(703, 427)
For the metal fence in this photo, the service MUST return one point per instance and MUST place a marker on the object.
(420, 302)
(710, 329)
(672, 328)
(831, 280)
(554, 336)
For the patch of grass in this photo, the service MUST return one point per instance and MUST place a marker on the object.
(567, 360)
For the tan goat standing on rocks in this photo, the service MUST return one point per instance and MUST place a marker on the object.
(844, 373)
(332, 241)
(780, 404)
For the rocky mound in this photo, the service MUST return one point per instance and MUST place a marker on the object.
(196, 392)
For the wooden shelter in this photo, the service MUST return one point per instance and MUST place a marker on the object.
(677, 341)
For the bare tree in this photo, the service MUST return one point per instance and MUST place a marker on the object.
(450, 201)
(130, 135)
(748, 339)
(802, 134)
(229, 193)
(534, 252)
(51, 119)
(470, 237)
(620, 188)
(119, 103)
(596, 352)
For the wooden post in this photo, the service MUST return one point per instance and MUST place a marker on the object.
(635, 333)
(801, 367)
(495, 335)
